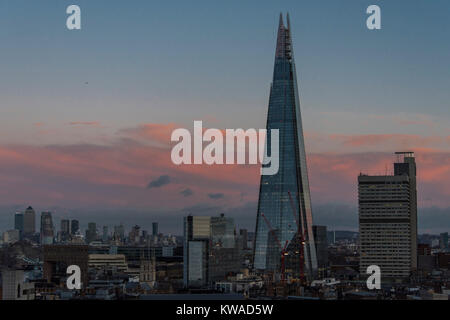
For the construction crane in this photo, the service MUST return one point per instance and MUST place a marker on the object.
(282, 249)
(301, 240)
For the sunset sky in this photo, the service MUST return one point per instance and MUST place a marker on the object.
(86, 116)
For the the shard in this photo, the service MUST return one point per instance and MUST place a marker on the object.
(284, 206)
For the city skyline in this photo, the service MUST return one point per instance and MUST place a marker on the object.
(230, 158)
(365, 95)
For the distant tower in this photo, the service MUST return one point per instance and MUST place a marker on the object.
(47, 232)
(74, 227)
(65, 229)
(91, 232)
(119, 232)
(388, 220)
(18, 223)
(222, 231)
(197, 236)
(105, 236)
(154, 229)
(29, 222)
(320, 238)
(274, 201)
(443, 241)
(134, 235)
(243, 234)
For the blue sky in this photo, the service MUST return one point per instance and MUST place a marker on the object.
(67, 97)
(150, 60)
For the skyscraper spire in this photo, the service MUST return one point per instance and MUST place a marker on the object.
(281, 24)
(277, 214)
(288, 22)
(283, 40)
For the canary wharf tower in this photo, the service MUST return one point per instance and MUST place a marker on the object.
(284, 207)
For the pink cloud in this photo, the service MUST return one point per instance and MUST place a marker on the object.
(147, 132)
(117, 174)
(347, 143)
(333, 177)
(85, 123)
(379, 139)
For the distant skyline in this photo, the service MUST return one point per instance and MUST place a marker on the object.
(87, 115)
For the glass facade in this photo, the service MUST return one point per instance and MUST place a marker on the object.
(196, 244)
(18, 222)
(276, 218)
(222, 232)
(197, 263)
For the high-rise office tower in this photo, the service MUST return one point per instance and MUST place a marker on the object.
(224, 252)
(388, 220)
(443, 241)
(210, 250)
(18, 223)
(74, 226)
(145, 236)
(134, 234)
(321, 241)
(277, 215)
(91, 232)
(222, 232)
(243, 235)
(65, 229)
(65, 226)
(29, 222)
(154, 228)
(331, 237)
(119, 232)
(105, 236)
(197, 234)
(47, 232)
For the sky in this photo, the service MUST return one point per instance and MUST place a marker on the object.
(86, 115)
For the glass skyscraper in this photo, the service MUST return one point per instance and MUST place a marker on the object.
(277, 214)
(18, 222)
(29, 224)
(47, 232)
